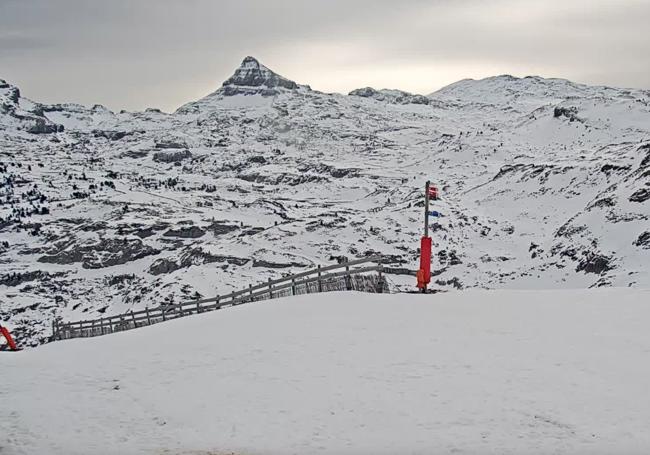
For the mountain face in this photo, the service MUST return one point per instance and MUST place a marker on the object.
(16, 111)
(545, 183)
(254, 78)
(251, 78)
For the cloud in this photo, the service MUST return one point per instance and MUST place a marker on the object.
(137, 53)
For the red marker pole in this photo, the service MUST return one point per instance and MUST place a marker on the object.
(10, 341)
(424, 274)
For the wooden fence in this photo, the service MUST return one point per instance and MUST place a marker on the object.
(354, 275)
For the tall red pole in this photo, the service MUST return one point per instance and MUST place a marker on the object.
(424, 274)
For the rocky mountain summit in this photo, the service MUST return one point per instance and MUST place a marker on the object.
(253, 78)
(545, 183)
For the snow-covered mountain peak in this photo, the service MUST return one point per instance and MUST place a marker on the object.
(526, 91)
(254, 78)
(251, 78)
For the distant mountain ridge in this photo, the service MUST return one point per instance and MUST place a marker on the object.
(545, 183)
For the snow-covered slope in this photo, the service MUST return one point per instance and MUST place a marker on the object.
(545, 183)
(508, 372)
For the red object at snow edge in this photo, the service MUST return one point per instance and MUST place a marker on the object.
(12, 344)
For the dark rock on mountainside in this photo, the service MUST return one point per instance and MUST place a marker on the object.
(164, 266)
(643, 240)
(594, 263)
(569, 112)
(448, 257)
(112, 135)
(455, 282)
(641, 195)
(610, 168)
(602, 203)
(646, 160)
(171, 156)
(390, 96)
(221, 228)
(191, 232)
(43, 126)
(193, 256)
(336, 172)
(276, 265)
(365, 92)
(13, 93)
(257, 159)
(16, 279)
(105, 253)
(283, 178)
(170, 144)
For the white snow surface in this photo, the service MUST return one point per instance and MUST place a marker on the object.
(502, 372)
(276, 180)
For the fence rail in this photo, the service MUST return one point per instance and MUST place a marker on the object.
(352, 275)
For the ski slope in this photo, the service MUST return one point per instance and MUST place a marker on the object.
(504, 372)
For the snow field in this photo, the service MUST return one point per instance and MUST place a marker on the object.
(467, 372)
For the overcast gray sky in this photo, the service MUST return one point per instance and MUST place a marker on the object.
(132, 54)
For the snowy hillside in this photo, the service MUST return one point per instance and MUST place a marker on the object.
(545, 183)
(507, 372)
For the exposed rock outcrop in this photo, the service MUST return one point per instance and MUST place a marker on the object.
(105, 253)
(253, 78)
(190, 232)
(569, 112)
(594, 263)
(643, 240)
(390, 96)
(171, 156)
(641, 195)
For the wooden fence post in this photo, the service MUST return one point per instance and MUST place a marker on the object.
(217, 303)
(54, 329)
(135, 325)
(293, 286)
(270, 289)
(148, 317)
(198, 307)
(250, 292)
(320, 283)
(348, 279)
(380, 283)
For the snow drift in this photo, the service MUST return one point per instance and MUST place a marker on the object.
(469, 372)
